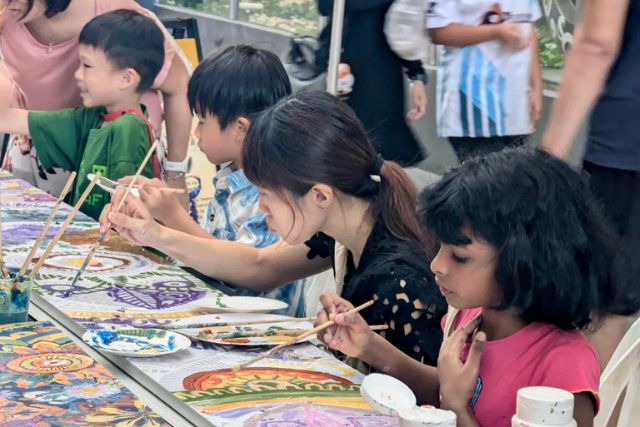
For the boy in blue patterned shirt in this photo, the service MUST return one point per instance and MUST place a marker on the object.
(226, 91)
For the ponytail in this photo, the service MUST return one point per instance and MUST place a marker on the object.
(395, 204)
(313, 137)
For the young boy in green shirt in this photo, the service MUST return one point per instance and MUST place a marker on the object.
(120, 52)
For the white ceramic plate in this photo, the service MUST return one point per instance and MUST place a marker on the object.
(132, 342)
(110, 186)
(242, 304)
(386, 394)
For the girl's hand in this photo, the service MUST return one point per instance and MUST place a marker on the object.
(162, 205)
(458, 379)
(351, 333)
(420, 100)
(133, 221)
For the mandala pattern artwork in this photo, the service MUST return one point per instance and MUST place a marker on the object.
(46, 380)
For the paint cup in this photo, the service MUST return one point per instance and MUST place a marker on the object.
(427, 416)
(392, 397)
(386, 394)
(543, 406)
(15, 294)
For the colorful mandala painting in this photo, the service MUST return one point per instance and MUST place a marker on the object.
(46, 380)
(318, 415)
(244, 394)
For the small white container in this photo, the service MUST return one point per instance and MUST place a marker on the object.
(427, 416)
(386, 394)
(391, 397)
(543, 406)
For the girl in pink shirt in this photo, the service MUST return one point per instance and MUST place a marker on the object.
(39, 44)
(525, 260)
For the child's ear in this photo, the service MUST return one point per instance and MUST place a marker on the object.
(129, 79)
(243, 124)
(322, 195)
(242, 127)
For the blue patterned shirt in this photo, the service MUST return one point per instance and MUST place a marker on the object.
(233, 214)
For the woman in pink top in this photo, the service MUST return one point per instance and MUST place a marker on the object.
(39, 43)
(527, 260)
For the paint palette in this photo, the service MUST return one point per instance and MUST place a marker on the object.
(136, 342)
(110, 186)
(252, 335)
(242, 304)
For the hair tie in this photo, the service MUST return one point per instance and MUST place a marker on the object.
(377, 169)
(371, 184)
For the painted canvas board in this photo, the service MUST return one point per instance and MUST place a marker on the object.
(47, 380)
(129, 286)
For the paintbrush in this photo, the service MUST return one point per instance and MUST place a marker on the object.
(64, 226)
(102, 235)
(163, 189)
(47, 224)
(269, 332)
(222, 324)
(297, 339)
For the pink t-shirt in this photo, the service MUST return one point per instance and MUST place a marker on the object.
(45, 74)
(539, 354)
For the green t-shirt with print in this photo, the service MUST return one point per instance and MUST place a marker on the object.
(73, 139)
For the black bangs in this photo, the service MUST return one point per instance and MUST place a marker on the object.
(129, 40)
(266, 151)
(444, 212)
(237, 81)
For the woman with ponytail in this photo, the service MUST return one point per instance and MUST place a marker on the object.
(335, 203)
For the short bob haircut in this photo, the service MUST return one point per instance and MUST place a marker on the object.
(237, 81)
(557, 259)
(129, 40)
(54, 7)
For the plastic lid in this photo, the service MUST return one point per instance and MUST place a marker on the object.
(517, 422)
(427, 416)
(386, 394)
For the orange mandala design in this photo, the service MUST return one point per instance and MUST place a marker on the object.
(49, 363)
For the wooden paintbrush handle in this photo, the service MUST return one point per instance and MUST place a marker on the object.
(295, 340)
(135, 177)
(43, 232)
(64, 225)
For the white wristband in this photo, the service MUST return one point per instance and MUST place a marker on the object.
(183, 166)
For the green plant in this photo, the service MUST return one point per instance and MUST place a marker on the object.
(550, 53)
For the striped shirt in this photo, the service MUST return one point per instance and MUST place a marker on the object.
(483, 89)
(233, 214)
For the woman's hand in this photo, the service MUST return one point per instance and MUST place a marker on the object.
(351, 334)
(419, 96)
(133, 221)
(457, 378)
(162, 205)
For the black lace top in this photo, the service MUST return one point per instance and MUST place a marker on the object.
(396, 275)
